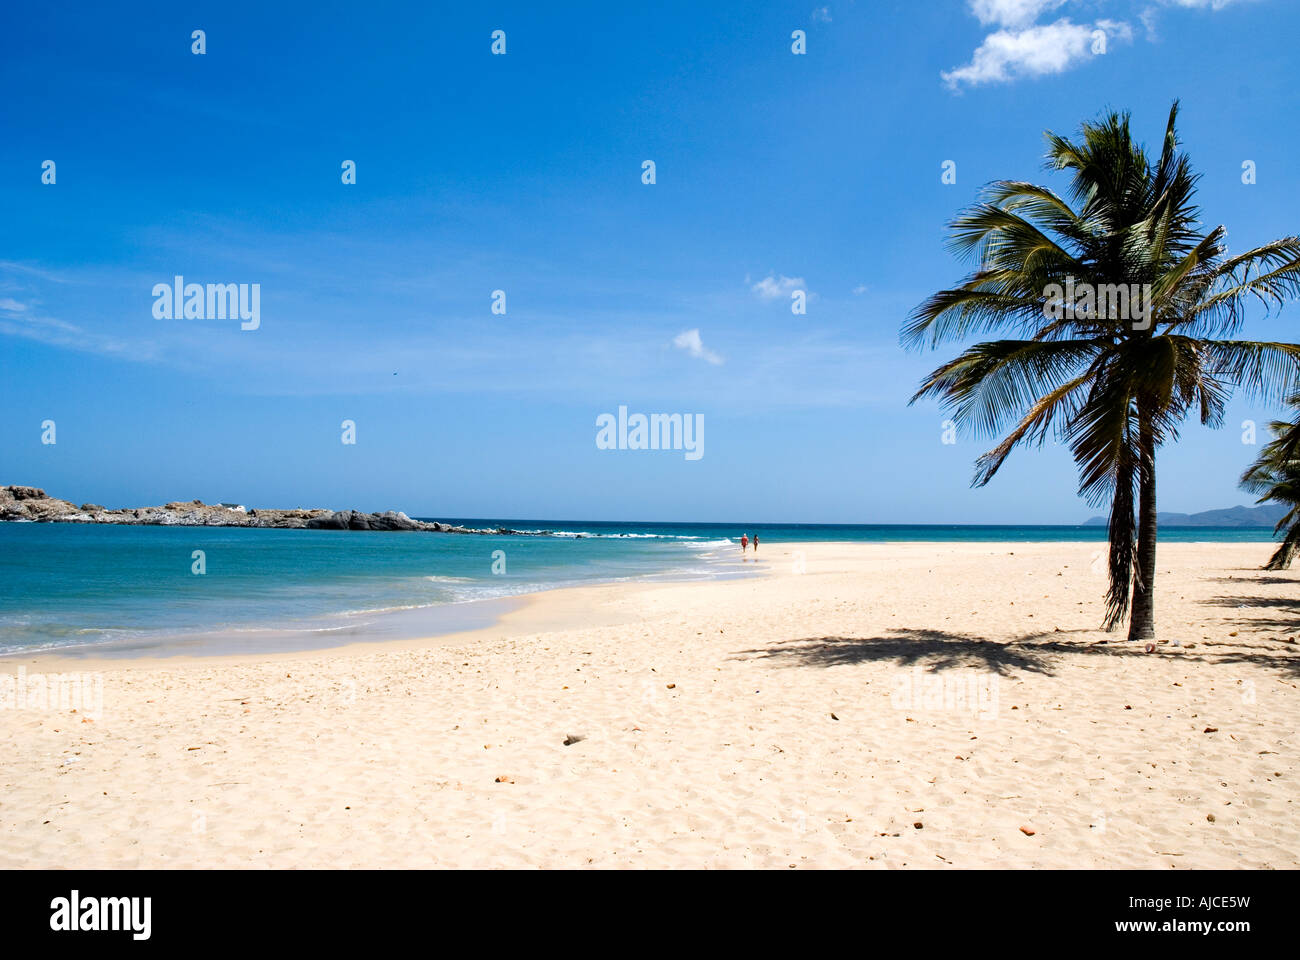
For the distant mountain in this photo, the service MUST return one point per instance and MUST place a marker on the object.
(1265, 516)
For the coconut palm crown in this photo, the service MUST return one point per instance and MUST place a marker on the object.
(1120, 317)
(1275, 476)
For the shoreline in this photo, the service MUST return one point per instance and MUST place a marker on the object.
(513, 622)
(555, 608)
(517, 614)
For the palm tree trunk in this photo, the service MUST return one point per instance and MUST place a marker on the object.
(1281, 560)
(1142, 626)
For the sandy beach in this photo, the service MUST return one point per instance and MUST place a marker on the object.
(867, 705)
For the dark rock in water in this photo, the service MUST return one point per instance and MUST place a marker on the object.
(355, 520)
(335, 521)
(390, 520)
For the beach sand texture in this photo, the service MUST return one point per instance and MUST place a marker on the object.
(896, 705)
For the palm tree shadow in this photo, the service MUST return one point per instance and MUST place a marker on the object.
(1263, 615)
(1261, 579)
(934, 650)
(1035, 653)
(1264, 603)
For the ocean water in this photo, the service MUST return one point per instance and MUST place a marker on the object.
(106, 590)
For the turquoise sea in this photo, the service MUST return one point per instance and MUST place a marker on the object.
(129, 591)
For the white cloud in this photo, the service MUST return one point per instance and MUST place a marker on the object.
(1200, 4)
(1148, 18)
(1115, 30)
(11, 266)
(59, 333)
(771, 287)
(823, 14)
(860, 289)
(1032, 52)
(689, 340)
(1011, 13)
(1023, 47)
(11, 306)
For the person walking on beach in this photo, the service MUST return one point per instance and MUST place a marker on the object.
(755, 544)
(744, 544)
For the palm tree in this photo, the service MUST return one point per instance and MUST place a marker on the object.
(1111, 380)
(1275, 476)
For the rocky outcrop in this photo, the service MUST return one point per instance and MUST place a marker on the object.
(355, 520)
(31, 504)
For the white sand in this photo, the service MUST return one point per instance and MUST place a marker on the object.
(758, 723)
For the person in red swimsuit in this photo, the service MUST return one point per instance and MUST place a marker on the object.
(744, 543)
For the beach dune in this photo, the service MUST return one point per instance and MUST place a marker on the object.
(860, 705)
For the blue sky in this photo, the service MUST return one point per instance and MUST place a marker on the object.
(522, 173)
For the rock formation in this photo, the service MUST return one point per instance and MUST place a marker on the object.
(31, 504)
